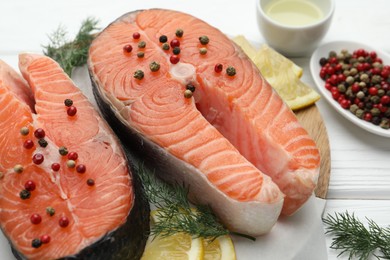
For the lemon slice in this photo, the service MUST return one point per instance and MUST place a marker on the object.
(245, 45)
(283, 74)
(221, 248)
(269, 60)
(177, 246)
(291, 89)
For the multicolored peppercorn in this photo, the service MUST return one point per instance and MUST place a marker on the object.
(50, 211)
(25, 194)
(188, 93)
(138, 74)
(71, 111)
(204, 40)
(359, 81)
(90, 182)
(179, 33)
(174, 59)
(63, 150)
(36, 243)
(63, 222)
(24, 131)
(154, 66)
(35, 219)
(230, 71)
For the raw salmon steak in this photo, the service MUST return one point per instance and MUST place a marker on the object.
(66, 189)
(201, 112)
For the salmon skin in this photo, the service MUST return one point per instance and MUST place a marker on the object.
(66, 188)
(204, 117)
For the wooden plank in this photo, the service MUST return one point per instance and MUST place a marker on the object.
(312, 121)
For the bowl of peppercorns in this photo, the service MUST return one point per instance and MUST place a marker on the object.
(355, 79)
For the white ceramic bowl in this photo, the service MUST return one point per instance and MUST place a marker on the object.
(294, 41)
(315, 68)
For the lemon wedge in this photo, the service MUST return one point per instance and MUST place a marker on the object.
(221, 248)
(291, 89)
(283, 74)
(266, 56)
(245, 45)
(177, 246)
(183, 246)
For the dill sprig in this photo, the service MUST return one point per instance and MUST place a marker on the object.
(352, 237)
(176, 214)
(74, 53)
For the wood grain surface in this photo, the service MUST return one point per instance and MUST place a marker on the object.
(311, 120)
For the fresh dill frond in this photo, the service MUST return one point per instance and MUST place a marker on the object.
(176, 214)
(353, 238)
(71, 53)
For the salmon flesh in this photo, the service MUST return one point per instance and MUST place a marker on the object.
(66, 189)
(204, 117)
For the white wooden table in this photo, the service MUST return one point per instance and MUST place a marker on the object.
(360, 161)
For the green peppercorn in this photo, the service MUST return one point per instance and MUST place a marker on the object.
(344, 51)
(24, 130)
(165, 46)
(231, 71)
(362, 84)
(376, 79)
(138, 74)
(332, 54)
(204, 40)
(364, 77)
(340, 56)
(154, 66)
(50, 211)
(353, 108)
(140, 54)
(385, 124)
(361, 59)
(353, 71)
(375, 111)
(63, 150)
(203, 51)
(18, 168)
(360, 95)
(187, 93)
(377, 65)
(70, 163)
(25, 194)
(350, 80)
(141, 44)
(346, 73)
(349, 92)
(345, 66)
(348, 57)
(341, 88)
(179, 33)
(381, 92)
(375, 99)
(359, 113)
